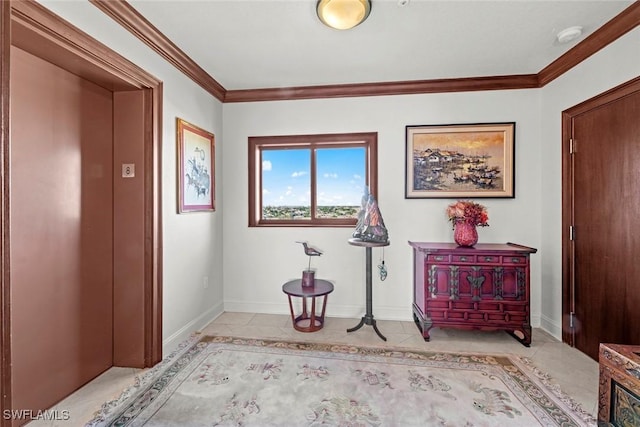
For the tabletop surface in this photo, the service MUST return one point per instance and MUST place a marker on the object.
(432, 247)
(320, 287)
(358, 242)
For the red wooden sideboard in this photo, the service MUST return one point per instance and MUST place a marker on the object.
(482, 287)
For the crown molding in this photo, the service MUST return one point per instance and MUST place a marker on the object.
(525, 81)
(124, 14)
(133, 21)
(618, 26)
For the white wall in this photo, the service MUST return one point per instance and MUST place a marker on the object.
(259, 260)
(614, 65)
(192, 242)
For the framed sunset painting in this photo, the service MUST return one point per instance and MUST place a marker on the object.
(460, 161)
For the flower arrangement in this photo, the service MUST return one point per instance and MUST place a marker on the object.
(469, 212)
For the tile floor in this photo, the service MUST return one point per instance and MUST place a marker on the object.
(574, 372)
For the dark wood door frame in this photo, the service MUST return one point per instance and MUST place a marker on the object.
(61, 43)
(609, 96)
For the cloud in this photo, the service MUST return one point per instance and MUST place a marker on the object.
(331, 175)
(266, 165)
(265, 191)
(335, 199)
(297, 174)
(356, 176)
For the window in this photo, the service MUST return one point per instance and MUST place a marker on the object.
(310, 180)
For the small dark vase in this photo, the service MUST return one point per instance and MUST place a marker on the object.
(465, 234)
(308, 278)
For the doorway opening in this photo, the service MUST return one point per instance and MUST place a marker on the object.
(31, 29)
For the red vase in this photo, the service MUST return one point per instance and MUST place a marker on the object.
(465, 234)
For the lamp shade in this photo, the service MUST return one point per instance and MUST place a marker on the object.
(343, 14)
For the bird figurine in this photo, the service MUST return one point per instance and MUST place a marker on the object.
(310, 251)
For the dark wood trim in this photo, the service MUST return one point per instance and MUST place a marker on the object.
(618, 92)
(567, 219)
(5, 291)
(525, 81)
(611, 95)
(124, 14)
(153, 226)
(253, 174)
(618, 26)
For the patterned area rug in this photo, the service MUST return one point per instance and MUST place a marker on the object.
(224, 381)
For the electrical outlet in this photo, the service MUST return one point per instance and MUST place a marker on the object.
(205, 282)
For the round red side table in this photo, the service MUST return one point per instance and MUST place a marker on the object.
(308, 320)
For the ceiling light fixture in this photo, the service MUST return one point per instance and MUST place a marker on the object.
(343, 14)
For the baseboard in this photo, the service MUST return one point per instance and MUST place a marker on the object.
(535, 321)
(551, 326)
(333, 310)
(356, 311)
(172, 342)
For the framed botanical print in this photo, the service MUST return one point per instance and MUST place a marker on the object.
(196, 168)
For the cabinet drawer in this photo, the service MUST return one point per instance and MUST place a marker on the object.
(437, 258)
(463, 258)
(488, 259)
(514, 259)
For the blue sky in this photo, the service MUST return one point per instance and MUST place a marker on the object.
(286, 180)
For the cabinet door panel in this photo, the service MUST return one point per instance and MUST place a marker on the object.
(513, 283)
(487, 287)
(469, 281)
(440, 277)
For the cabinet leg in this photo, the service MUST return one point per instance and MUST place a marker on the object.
(423, 326)
(425, 333)
(522, 335)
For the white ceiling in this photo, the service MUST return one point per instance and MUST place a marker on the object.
(250, 44)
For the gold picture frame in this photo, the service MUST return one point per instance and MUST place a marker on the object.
(460, 161)
(196, 168)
